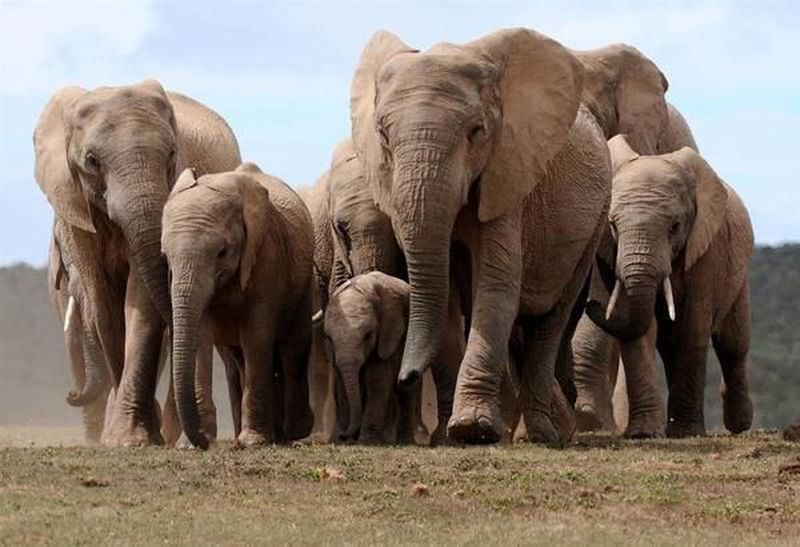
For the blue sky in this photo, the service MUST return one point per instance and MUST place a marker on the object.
(279, 72)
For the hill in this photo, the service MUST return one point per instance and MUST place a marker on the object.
(36, 378)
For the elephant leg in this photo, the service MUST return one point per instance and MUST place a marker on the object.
(93, 413)
(294, 351)
(170, 423)
(136, 413)
(731, 344)
(445, 372)
(203, 382)
(688, 377)
(258, 414)
(593, 352)
(380, 423)
(646, 407)
(94, 416)
(234, 368)
(476, 416)
(320, 371)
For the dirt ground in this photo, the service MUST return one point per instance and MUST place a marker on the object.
(600, 490)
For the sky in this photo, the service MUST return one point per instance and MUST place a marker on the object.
(279, 73)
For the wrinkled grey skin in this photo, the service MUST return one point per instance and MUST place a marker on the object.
(365, 324)
(240, 247)
(625, 91)
(364, 242)
(481, 151)
(674, 220)
(106, 160)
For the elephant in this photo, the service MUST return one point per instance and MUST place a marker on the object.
(482, 155)
(625, 91)
(320, 368)
(106, 159)
(365, 324)
(364, 241)
(59, 286)
(678, 226)
(239, 246)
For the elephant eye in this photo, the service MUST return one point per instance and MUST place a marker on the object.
(674, 228)
(475, 132)
(222, 253)
(91, 161)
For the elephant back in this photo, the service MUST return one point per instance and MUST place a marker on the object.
(206, 142)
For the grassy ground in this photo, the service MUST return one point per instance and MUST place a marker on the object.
(599, 490)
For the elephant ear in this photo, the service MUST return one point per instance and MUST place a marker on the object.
(255, 202)
(641, 106)
(381, 47)
(345, 167)
(392, 313)
(185, 181)
(711, 198)
(52, 171)
(540, 86)
(620, 152)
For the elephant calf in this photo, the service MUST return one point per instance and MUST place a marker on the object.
(239, 246)
(679, 228)
(366, 324)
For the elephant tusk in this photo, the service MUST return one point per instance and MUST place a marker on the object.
(316, 318)
(612, 302)
(69, 313)
(670, 298)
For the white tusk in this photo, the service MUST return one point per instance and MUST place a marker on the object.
(316, 317)
(70, 311)
(670, 298)
(613, 300)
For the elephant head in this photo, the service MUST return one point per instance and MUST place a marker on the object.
(665, 212)
(213, 230)
(365, 324)
(362, 233)
(625, 90)
(435, 130)
(106, 159)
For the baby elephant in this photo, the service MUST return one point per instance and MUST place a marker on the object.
(239, 247)
(365, 323)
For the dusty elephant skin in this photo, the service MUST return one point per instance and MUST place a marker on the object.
(366, 324)
(625, 91)
(239, 247)
(106, 160)
(484, 147)
(679, 227)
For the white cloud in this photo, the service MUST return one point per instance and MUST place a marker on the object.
(46, 44)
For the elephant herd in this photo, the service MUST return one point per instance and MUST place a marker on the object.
(509, 221)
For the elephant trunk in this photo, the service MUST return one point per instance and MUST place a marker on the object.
(136, 201)
(189, 299)
(95, 371)
(639, 280)
(425, 228)
(352, 389)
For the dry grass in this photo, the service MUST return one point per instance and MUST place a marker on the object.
(600, 490)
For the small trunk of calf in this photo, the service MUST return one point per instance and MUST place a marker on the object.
(352, 387)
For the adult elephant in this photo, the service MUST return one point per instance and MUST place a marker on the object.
(483, 148)
(678, 226)
(625, 91)
(106, 160)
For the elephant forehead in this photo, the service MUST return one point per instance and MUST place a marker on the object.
(119, 102)
(349, 311)
(202, 201)
(452, 71)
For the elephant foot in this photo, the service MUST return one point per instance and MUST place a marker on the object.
(299, 424)
(250, 438)
(587, 418)
(439, 435)
(540, 427)
(737, 412)
(679, 430)
(477, 423)
(129, 431)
